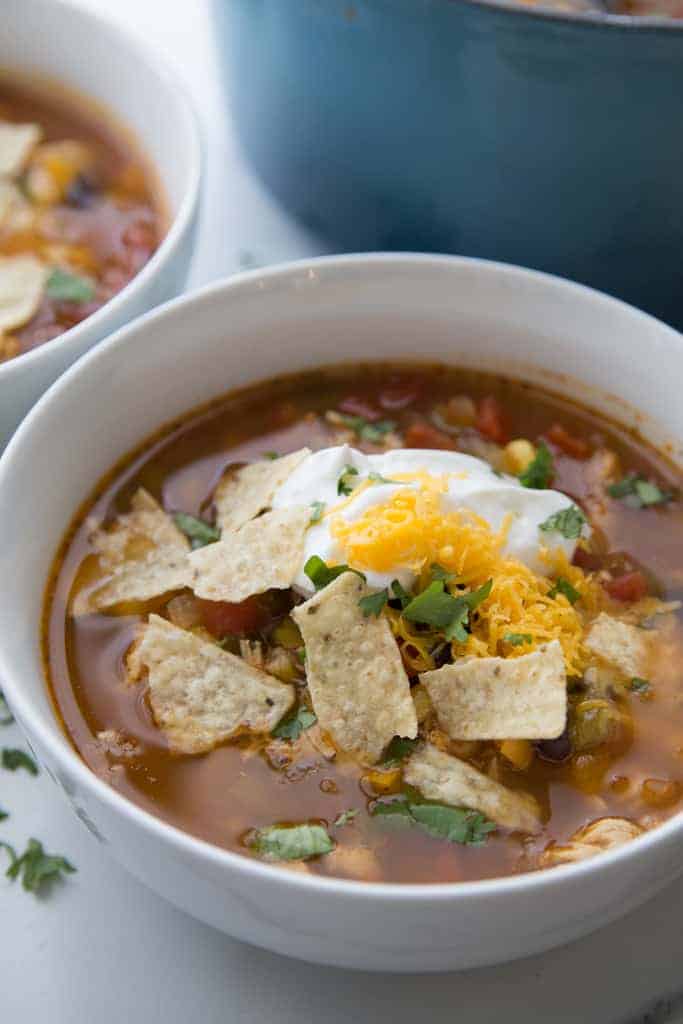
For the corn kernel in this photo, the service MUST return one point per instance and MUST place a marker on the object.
(518, 752)
(517, 455)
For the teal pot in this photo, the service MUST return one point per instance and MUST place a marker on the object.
(551, 140)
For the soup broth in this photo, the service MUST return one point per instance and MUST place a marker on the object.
(621, 754)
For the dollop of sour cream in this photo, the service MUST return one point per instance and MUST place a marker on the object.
(470, 484)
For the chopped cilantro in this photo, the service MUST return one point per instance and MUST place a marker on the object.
(291, 842)
(563, 586)
(437, 572)
(345, 817)
(569, 522)
(399, 748)
(518, 639)
(346, 482)
(377, 478)
(637, 492)
(271, 455)
(638, 685)
(63, 286)
(3, 814)
(317, 509)
(197, 531)
(372, 604)
(37, 869)
(13, 759)
(397, 810)
(320, 574)
(400, 594)
(301, 654)
(540, 470)
(367, 431)
(6, 717)
(456, 824)
(435, 606)
(291, 727)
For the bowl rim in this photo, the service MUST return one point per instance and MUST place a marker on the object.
(656, 24)
(64, 754)
(168, 76)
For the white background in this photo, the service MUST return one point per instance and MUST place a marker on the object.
(104, 949)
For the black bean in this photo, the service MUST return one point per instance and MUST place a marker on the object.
(555, 751)
(81, 193)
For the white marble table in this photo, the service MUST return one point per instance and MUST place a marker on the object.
(104, 949)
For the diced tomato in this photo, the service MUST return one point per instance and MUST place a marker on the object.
(491, 420)
(354, 406)
(632, 586)
(589, 561)
(573, 446)
(423, 435)
(221, 617)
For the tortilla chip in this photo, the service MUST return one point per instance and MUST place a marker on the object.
(144, 554)
(16, 143)
(9, 197)
(449, 780)
(202, 695)
(620, 644)
(358, 685)
(245, 493)
(22, 282)
(502, 698)
(264, 554)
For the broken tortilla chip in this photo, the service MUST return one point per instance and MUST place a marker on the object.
(201, 695)
(244, 493)
(22, 282)
(447, 779)
(358, 685)
(144, 555)
(264, 554)
(622, 645)
(16, 144)
(521, 698)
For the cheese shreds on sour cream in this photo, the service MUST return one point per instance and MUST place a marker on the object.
(465, 484)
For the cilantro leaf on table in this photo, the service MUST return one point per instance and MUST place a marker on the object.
(6, 716)
(12, 759)
(36, 868)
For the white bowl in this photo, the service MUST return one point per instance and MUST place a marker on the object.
(263, 323)
(55, 41)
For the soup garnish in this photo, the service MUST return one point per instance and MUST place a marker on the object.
(78, 218)
(389, 624)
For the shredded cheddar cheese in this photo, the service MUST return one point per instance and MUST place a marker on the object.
(412, 531)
